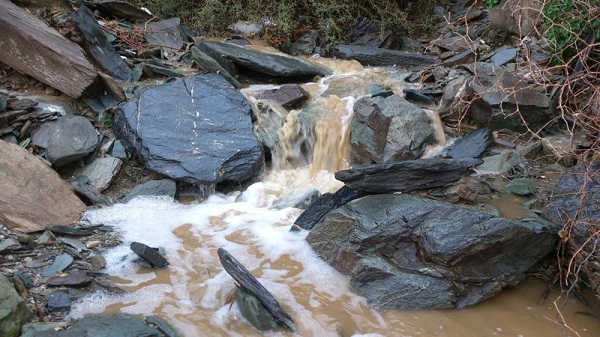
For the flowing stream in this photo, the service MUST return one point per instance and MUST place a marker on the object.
(194, 292)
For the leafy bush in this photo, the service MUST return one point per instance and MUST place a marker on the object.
(568, 22)
(288, 19)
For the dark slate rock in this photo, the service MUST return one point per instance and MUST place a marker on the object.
(300, 200)
(70, 138)
(250, 284)
(149, 254)
(417, 96)
(225, 63)
(79, 279)
(113, 325)
(307, 43)
(59, 301)
(388, 129)
(61, 262)
(521, 186)
(162, 326)
(325, 204)
(69, 230)
(22, 104)
(289, 96)
(3, 101)
(381, 57)
(161, 70)
(98, 47)
(89, 194)
(269, 64)
(197, 130)
(567, 200)
(254, 311)
(504, 56)
(406, 176)
(119, 151)
(368, 32)
(164, 187)
(405, 252)
(13, 309)
(165, 33)
(466, 56)
(122, 9)
(471, 145)
(208, 63)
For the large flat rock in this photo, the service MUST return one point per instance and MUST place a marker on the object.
(197, 130)
(405, 252)
(380, 56)
(270, 64)
(32, 195)
(29, 45)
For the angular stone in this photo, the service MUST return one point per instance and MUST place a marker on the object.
(165, 33)
(407, 175)
(163, 326)
(417, 96)
(504, 56)
(69, 230)
(61, 262)
(466, 56)
(101, 171)
(34, 48)
(405, 252)
(380, 56)
(32, 329)
(32, 195)
(289, 96)
(164, 187)
(9, 245)
(122, 9)
(149, 254)
(98, 47)
(59, 301)
(471, 145)
(208, 63)
(270, 64)
(70, 138)
(254, 311)
(13, 309)
(521, 186)
(388, 129)
(74, 280)
(196, 130)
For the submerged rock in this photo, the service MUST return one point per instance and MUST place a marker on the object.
(197, 130)
(405, 252)
(149, 255)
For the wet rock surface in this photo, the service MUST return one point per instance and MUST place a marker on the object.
(209, 112)
(412, 253)
(381, 57)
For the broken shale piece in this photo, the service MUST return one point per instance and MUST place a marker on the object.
(149, 254)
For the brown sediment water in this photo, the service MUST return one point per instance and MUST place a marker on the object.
(194, 292)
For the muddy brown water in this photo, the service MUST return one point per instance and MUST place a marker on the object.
(194, 292)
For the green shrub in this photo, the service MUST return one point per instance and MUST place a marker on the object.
(568, 22)
(288, 19)
(492, 3)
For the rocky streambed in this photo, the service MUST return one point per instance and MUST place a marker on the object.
(416, 215)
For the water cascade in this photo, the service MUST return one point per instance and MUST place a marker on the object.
(193, 293)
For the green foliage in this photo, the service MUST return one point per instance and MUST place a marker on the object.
(568, 22)
(288, 19)
(492, 3)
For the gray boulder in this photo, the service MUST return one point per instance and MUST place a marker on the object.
(197, 130)
(67, 139)
(270, 64)
(380, 56)
(101, 171)
(388, 129)
(405, 252)
(13, 309)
